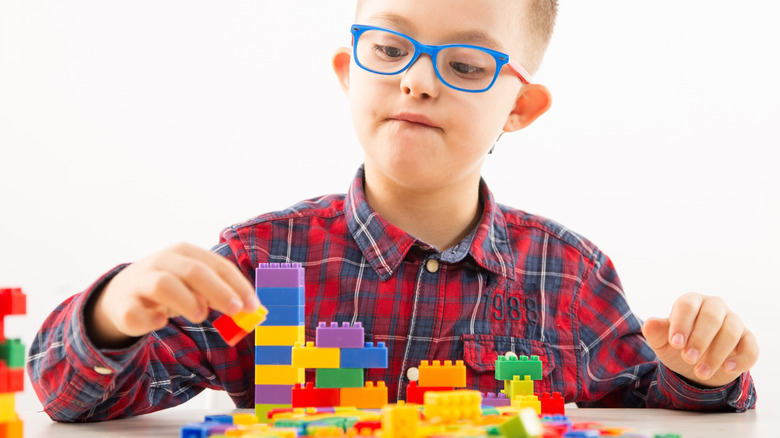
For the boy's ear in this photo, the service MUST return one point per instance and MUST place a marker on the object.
(532, 101)
(341, 61)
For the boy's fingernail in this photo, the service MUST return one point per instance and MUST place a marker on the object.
(731, 366)
(704, 371)
(678, 340)
(253, 304)
(692, 354)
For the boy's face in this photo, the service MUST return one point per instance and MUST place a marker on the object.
(414, 129)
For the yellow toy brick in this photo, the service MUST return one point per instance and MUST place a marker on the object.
(440, 374)
(400, 421)
(309, 356)
(517, 386)
(244, 419)
(279, 335)
(369, 397)
(12, 428)
(527, 401)
(248, 321)
(7, 407)
(278, 375)
(452, 406)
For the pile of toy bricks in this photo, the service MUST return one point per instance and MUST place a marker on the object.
(281, 288)
(12, 302)
(519, 374)
(340, 357)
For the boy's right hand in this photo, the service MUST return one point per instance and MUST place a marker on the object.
(182, 280)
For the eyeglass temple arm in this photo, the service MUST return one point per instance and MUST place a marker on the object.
(525, 77)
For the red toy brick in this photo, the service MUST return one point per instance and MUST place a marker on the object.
(12, 302)
(416, 394)
(309, 396)
(552, 405)
(228, 329)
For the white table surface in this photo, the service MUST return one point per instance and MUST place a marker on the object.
(757, 423)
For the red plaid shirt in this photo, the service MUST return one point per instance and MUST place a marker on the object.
(517, 283)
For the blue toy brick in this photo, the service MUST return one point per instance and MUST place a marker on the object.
(282, 296)
(203, 430)
(521, 366)
(280, 275)
(224, 419)
(366, 357)
(273, 355)
(584, 433)
(285, 315)
(340, 337)
(273, 394)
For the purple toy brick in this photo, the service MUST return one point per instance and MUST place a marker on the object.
(273, 394)
(279, 275)
(491, 399)
(340, 337)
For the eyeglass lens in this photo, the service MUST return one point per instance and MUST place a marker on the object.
(462, 67)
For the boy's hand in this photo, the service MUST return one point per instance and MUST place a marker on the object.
(182, 280)
(702, 340)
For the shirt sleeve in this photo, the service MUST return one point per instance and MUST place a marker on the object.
(77, 382)
(619, 369)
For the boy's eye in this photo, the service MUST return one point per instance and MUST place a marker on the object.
(390, 52)
(464, 69)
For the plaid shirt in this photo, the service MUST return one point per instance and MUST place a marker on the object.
(517, 283)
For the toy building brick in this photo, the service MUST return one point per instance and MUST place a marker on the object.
(12, 302)
(281, 289)
(442, 373)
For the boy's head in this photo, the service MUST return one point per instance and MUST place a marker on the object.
(418, 132)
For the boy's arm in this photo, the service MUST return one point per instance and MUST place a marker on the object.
(77, 381)
(618, 367)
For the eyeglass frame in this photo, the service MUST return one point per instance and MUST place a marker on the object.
(501, 58)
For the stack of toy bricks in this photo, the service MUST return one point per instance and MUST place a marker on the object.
(435, 376)
(340, 357)
(281, 289)
(12, 302)
(519, 374)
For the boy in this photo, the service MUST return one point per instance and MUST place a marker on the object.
(417, 250)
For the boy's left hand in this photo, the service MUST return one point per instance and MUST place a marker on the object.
(702, 340)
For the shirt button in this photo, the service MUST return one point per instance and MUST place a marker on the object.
(432, 265)
(413, 374)
(103, 370)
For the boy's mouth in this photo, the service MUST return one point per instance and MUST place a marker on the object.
(416, 119)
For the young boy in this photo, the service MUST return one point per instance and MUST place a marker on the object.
(417, 250)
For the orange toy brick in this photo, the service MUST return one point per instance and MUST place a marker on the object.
(442, 374)
(368, 397)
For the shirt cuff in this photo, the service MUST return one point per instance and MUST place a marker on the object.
(96, 366)
(683, 394)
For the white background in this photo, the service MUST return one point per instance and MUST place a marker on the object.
(126, 127)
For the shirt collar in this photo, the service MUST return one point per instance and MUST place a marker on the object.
(384, 245)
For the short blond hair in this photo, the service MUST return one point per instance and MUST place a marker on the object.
(537, 22)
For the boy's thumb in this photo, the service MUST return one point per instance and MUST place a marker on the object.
(656, 332)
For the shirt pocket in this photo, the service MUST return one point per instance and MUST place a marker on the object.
(480, 353)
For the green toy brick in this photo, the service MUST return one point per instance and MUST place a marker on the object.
(524, 425)
(12, 352)
(339, 378)
(507, 369)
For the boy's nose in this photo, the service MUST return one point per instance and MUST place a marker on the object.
(420, 79)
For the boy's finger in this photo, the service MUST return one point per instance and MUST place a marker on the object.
(140, 320)
(682, 319)
(708, 324)
(169, 292)
(238, 285)
(656, 332)
(722, 346)
(746, 354)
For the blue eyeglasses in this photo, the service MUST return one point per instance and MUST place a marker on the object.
(463, 67)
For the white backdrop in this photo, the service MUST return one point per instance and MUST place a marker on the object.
(126, 127)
